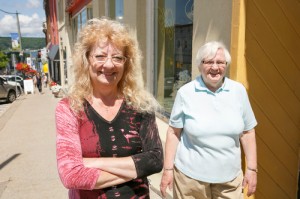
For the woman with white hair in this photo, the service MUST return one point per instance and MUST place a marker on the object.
(107, 137)
(211, 116)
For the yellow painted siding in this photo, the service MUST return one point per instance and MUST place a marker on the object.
(271, 72)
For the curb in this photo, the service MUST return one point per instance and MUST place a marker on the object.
(10, 111)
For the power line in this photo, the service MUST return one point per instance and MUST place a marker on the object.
(18, 25)
(9, 12)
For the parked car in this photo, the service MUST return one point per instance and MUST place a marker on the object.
(15, 78)
(7, 91)
(13, 83)
(169, 83)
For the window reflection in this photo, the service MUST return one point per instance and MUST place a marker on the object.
(174, 47)
(116, 9)
(80, 20)
(119, 10)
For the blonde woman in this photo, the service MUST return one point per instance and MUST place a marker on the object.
(107, 137)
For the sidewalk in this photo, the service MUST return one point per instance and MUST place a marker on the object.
(27, 148)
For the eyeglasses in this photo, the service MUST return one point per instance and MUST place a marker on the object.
(211, 63)
(116, 60)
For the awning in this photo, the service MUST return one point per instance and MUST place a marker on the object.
(75, 6)
(53, 51)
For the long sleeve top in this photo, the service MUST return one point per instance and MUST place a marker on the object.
(130, 133)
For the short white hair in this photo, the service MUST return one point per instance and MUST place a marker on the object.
(209, 50)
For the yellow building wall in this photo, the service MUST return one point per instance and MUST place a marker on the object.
(266, 49)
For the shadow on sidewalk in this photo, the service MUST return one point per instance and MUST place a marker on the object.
(3, 164)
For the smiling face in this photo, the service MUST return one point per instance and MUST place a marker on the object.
(106, 65)
(213, 70)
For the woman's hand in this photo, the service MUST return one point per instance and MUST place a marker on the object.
(173, 136)
(250, 180)
(249, 145)
(166, 182)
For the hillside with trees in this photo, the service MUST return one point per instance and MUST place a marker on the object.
(27, 43)
(3, 60)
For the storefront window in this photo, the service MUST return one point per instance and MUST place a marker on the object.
(89, 12)
(83, 15)
(74, 28)
(116, 9)
(81, 19)
(119, 10)
(174, 48)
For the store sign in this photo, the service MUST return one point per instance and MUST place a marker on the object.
(28, 86)
(28, 60)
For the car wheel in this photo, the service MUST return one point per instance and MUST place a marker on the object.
(11, 96)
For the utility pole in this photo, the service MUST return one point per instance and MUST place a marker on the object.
(19, 31)
(20, 40)
(18, 25)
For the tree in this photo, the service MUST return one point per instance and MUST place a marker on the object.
(27, 43)
(3, 60)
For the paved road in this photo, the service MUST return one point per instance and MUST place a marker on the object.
(27, 149)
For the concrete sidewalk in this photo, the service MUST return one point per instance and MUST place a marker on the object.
(27, 148)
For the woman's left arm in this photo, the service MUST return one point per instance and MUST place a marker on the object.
(149, 161)
(249, 146)
(122, 166)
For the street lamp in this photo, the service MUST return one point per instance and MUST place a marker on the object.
(18, 25)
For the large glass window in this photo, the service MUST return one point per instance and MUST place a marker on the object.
(174, 48)
(74, 29)
(116, 9)
(89, 12)
(81, 19)
(119, 10)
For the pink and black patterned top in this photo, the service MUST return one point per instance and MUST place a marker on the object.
(129, 134)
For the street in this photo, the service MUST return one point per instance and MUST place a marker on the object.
(27, 148)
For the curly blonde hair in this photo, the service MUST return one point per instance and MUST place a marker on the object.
(131, 85)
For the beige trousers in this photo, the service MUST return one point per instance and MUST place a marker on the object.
(188, 188)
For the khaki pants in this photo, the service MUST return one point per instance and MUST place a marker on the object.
(188, 188)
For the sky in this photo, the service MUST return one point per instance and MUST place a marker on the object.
(31, 17)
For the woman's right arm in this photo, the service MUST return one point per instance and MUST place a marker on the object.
(173, 138)
(72, 172)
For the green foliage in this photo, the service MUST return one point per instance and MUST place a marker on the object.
(27, 43)
(3, 60)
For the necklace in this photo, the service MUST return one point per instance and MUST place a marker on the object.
(106, 109)
(109, 108)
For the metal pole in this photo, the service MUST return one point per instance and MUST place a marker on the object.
(19, 31)
(20, 38)
(13, 56)
(18, 24)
